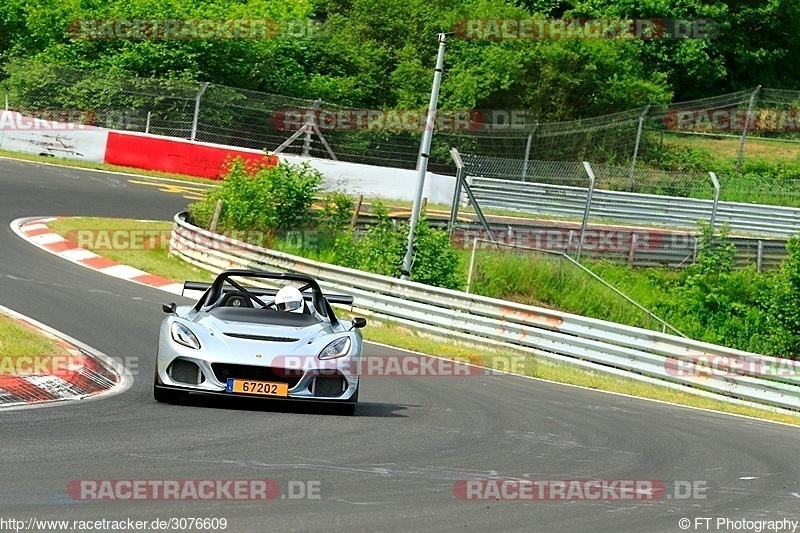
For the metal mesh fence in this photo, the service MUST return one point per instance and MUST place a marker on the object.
(239, 117)
(638, 216)
(527, 177)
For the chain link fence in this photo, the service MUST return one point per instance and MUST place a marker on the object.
(732, 124)
(645, 217)
(540, 159)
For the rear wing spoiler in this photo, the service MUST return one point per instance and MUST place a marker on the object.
(261, 291)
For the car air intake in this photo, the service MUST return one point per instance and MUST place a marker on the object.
(329, 386)
(266, 338)
(184, 371)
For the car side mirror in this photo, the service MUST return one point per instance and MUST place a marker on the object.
(170, 308)
(359, 322)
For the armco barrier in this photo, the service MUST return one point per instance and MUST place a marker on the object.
(178, 156)
(633, 208)
(615, 348)
(635, 246)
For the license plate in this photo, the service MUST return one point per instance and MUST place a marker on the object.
(263, 388)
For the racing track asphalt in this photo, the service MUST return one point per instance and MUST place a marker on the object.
(390, 467)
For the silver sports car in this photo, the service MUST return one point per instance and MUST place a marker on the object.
(244, 339)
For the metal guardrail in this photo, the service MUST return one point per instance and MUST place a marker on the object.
(615, 348)
(634, 208)
(632, 245)
(637, 246)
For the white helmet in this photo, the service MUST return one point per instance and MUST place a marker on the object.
(289, 299)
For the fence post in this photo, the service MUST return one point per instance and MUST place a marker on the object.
(310, 129)
(147, 124)
(591, 175)
(197, 109)
(760, 255)
(747, 120)
(714, 206)
(636, 146)
(471, 263)
(528, 152)
(634, 238)
(460, 169)
(6, 101)
(356, 211)
(215, 218)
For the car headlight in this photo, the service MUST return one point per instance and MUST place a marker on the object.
(337, 348)
(183, 335)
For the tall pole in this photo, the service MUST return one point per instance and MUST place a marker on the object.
(592, 178)
(422, 163)
(747, 124)
(528, 152)
(636, 147)
(197, 110)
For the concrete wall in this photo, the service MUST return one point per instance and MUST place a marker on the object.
(389, 183)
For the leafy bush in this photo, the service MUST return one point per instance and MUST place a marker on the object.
(379, 250)
(337, 210)
(382, 247)
(718, 304)
(679, 158)
(273, 199)
(435, 261)
(784, 304)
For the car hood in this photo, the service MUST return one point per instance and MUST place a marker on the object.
(233, 341)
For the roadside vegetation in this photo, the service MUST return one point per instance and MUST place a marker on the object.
(274, 203)
(377, 54)
(709, 300)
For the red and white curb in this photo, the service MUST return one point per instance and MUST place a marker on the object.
(36, 232)
(89, 373)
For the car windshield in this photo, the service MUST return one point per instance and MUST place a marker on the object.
(256, 288)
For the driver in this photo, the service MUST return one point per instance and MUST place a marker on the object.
(289, 299)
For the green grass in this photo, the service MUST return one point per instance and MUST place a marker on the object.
(20, 340)
(152, 259)
(551, 281)
(161, 263)
(726, 149)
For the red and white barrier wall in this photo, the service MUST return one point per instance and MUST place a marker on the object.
(167, 154)
(43, 137)
(138, 150)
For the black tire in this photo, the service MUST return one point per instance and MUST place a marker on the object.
(166, 395)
